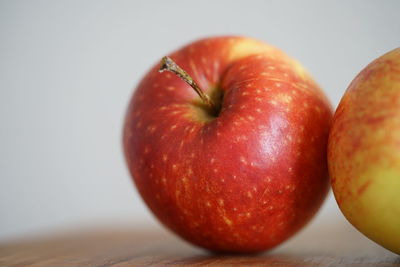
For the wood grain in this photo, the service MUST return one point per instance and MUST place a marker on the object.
(328, 245)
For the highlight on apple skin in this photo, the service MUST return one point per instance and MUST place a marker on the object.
(364, 151)
(243, 178)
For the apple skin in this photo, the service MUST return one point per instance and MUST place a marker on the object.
(364, 152)
(246, 180)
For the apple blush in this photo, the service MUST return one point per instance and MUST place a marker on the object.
(227, 145)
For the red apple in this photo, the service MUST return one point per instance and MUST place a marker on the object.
(246, 176)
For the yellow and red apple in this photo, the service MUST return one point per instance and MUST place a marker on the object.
(242, 178)
(364, 151)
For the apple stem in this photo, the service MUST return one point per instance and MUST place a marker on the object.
(169, 65)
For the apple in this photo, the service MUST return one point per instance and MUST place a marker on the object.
(364, 151)
(239, 163)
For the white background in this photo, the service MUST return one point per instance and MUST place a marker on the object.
(68, 69)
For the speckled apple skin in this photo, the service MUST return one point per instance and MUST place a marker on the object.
(248, 179)
(364, 151)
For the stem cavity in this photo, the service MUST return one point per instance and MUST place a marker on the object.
(167, 64)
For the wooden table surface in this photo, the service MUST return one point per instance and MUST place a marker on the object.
(326, 245)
